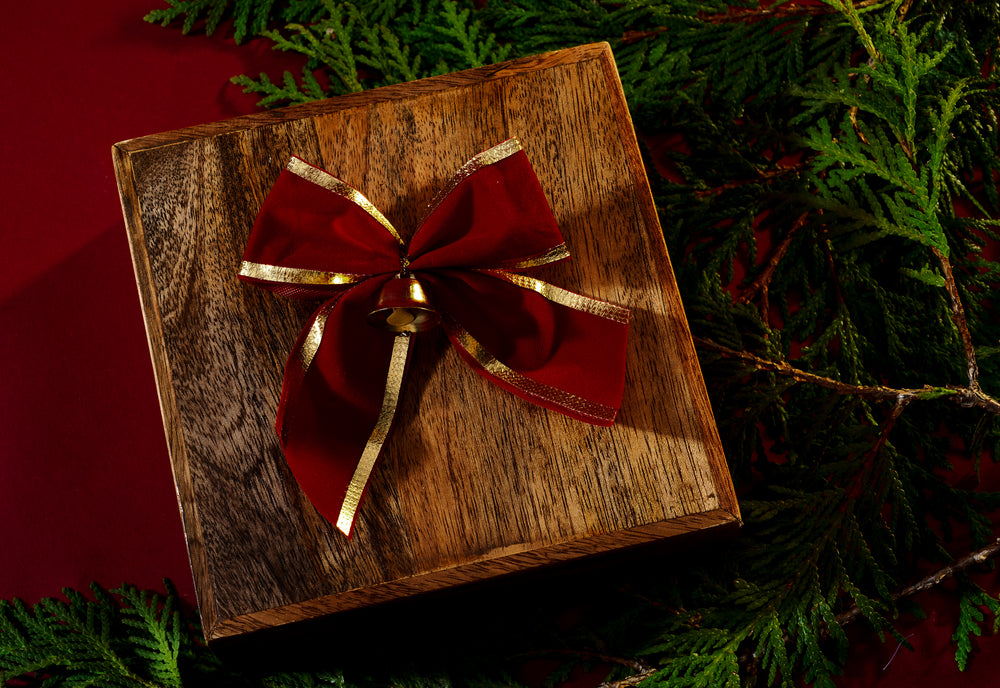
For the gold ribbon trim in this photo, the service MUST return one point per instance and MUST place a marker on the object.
(310, 345)
(390, 399)
(498, 369)
(330, 183)
(556, 253)
(579, 302)
(277, 273)
(499, 152)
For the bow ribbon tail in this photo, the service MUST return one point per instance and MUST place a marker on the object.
(373, 447)
(348, 377)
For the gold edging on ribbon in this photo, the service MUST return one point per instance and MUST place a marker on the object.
(341, 188)
(579, 302)
(554, 254)
(498, 369)
(494, 154)
(311, 342)
(278, 273)
(499, 152)
(393, 385)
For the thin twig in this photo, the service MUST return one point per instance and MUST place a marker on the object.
(963, 396)
(786, 11)
(736, 14)
(764, 279)
(958, 317)
(873, 60)
(635, 664)
(860, 482)
(928, 582)
(765, 176)
(628, 682)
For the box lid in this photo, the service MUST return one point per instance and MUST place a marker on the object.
(473, 483)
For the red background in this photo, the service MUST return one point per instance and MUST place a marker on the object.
(85, 486)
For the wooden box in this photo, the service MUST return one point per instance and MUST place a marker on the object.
(454, 499)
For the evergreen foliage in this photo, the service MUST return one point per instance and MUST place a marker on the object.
(126, 638)
(99, 642)
(827, 178)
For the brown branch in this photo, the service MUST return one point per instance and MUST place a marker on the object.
(780, 367)
(958, 317)
(787, 11)
(964, 396)
(629, 681)
(928, 582)
(854, 122)
(764, 279)
(767, 176)
(852, 614)
(904, 8)
(736, 14)
(636, 664)
(630, 37)
(890, 422)
(859, 482)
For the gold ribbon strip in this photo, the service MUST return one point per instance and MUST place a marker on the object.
(341, 188)
(579, 302)
(498, 369)
(556, 253)
(499, 152)
(277, 273)
(390, 399)
(310, 345)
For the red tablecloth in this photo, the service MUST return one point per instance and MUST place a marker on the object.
(85, 486)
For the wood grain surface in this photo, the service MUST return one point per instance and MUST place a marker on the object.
(474, 483)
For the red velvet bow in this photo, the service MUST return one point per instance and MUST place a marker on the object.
(316, 236)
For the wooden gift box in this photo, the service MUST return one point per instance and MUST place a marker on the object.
(474, 483)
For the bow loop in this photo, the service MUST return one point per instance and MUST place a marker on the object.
(318, 236)
(315, 232)
(552, 347)
(492, 214)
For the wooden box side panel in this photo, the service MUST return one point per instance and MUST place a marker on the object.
(168, 403)
(489, 479)
(717, 521)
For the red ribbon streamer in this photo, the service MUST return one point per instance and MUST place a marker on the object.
(317, 237)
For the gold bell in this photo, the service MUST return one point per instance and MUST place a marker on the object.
(403, 306)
